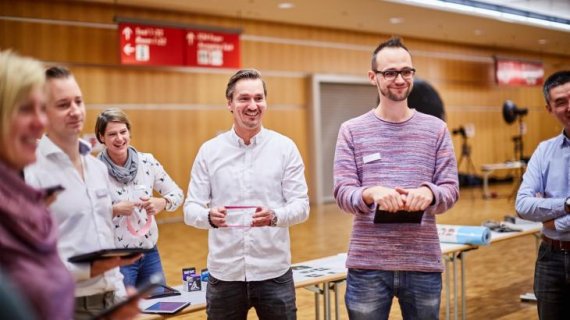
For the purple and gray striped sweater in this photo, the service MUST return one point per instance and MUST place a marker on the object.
(416, 152)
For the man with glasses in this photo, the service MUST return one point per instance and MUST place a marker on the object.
(397, 160)
(544, 196)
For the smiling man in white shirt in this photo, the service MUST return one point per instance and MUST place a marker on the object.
(83, 211)
(247, 187)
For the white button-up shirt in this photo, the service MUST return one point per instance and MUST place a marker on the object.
(269, 172)
(83, 212)
(151, 175)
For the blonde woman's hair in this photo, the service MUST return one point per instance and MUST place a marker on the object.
(18, 77)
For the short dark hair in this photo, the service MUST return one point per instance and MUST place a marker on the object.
(394, 42)
(243, 74)
(556, 79)
(57, 72)
(110, 115)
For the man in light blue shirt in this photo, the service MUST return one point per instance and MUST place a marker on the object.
(544, 197)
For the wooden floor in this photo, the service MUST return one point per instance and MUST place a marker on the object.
(495, 275)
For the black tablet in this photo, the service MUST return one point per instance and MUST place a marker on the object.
(382, 216)
(166, 307)
(162, 291)
(107, 253)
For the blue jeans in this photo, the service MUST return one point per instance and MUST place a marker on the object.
(369, 294)
(273, 299)
(552, 283)
(138, 273)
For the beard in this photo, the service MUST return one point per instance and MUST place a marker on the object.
(396, 96)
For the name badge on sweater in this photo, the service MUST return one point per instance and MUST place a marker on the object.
(372, 157)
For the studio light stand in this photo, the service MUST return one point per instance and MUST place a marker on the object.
(466, 155)
(518, 141)
(511, 113)
(468, 177)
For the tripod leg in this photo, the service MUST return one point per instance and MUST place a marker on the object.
(471, 166)
(459, 163)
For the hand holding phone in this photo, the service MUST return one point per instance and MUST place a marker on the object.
(50, 193)
(128, 308)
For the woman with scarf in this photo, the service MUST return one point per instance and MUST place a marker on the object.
(134, 176)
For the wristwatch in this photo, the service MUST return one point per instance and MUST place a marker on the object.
(273, 219)
(567, 205)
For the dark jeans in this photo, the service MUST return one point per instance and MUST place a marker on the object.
(369, 294)
(273, 299)
(138, 273)
(552, 283)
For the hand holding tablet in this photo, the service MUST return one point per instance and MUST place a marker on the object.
(129, 305)
(107, 253)
(382, 216)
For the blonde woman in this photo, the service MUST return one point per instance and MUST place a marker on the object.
(28, 233)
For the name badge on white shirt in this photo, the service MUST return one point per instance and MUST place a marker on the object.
(100, 193)
(372, 157)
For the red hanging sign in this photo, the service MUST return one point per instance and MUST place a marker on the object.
(151, 45)
(142, 44)
(518, 73)
(212, 49)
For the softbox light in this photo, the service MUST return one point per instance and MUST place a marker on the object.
(511, 112)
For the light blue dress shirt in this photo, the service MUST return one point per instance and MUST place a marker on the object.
(546, 185)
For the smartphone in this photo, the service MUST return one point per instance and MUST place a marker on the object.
(143, 291)
(50, 191)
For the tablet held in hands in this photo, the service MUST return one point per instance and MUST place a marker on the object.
(239, 216)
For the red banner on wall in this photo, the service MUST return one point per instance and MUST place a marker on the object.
(142, 44)
(518, 73)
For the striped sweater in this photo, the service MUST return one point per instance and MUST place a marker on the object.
(416, 152)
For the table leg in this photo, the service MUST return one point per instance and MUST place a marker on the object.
(486, 192)
(335, 289)
(447, 289)
(455, 299)
(327, 298)
(317, 304)
(462, 256)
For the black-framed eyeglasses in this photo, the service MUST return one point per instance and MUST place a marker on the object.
(407, 73)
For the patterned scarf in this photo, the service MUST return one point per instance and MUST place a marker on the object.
(122, 174)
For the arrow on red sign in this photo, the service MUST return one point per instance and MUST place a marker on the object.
(127, 33)
(190, 38)
(128, 49)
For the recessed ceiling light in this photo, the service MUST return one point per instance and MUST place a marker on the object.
(396, 20)
(285, 5)
(542, 41)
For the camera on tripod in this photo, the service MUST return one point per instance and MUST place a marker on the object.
(467, 177)
(465, 131)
